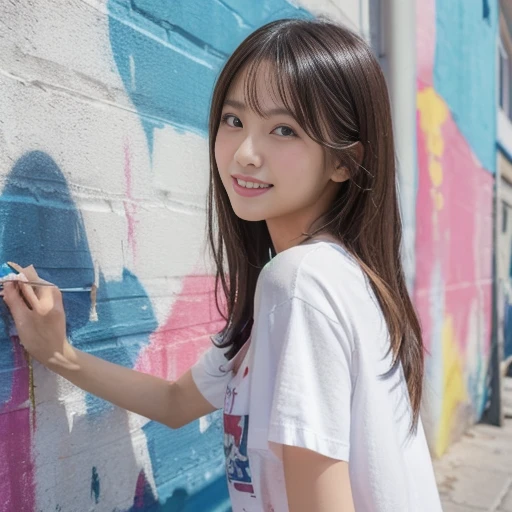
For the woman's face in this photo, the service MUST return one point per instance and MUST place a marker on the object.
(273, 151)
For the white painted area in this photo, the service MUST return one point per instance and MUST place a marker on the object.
(68, 444)
(132, 73)
(181, 166)
(353, 13)
(204, 423)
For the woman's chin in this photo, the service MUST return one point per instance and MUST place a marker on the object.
(248, 215)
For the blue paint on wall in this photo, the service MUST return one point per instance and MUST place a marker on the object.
(95, 485)
(465, 71)
(181, 458)
(169, 53)
(41, 225)
(486, 9)
(207, 499)
(125, 322)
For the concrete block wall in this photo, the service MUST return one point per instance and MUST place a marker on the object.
(103, 175)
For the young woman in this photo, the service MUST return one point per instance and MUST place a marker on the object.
(319, 368)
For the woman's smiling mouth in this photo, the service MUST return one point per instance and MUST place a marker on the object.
(250, 188)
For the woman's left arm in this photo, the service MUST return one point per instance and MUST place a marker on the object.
(315, 482)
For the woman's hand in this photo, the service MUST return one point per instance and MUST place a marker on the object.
(38, 313)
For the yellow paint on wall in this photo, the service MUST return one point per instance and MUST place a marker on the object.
(434, 113)
(454, 388)
(436, 172)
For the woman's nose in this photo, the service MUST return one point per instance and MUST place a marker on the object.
(247, 153)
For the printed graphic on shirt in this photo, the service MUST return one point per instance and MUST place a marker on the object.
(235, 449)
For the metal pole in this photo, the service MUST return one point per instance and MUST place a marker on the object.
(398, 57)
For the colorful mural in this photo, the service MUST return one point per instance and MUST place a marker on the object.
(104, 151)
(456, 159)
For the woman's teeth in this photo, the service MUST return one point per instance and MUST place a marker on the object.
(251, 184)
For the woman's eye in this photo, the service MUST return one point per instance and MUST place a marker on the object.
(286, 131)
(232, 121)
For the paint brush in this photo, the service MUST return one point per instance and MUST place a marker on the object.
(35, 283)
(5, 271)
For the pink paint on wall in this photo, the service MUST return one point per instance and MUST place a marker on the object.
(468, 218)
(178, 343)
(426, 39)
(424, 251)
(453, 239)
(130, 207)
(16, 466)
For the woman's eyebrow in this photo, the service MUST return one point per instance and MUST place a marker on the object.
(279, 111)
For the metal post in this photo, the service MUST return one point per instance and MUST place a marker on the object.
(398, 57)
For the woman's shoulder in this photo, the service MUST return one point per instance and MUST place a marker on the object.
(325, 278)
(301, 269)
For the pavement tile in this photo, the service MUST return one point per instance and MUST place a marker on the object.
(452, 507)
(475, 474)
(472, 487)
(483, 454)
(506, 504)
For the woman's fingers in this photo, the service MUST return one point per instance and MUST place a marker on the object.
(14, 302)
(30, 274)
(48, 297)
(29, 271)
(38, 298)
(29, 295)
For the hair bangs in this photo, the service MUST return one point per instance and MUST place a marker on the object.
(283, 84)
(293, 79)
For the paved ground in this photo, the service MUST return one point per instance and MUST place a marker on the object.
(475, 475)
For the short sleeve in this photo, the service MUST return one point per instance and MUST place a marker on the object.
(211, 374)
(311, 395)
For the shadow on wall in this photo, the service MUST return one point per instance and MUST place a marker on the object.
(41, 225)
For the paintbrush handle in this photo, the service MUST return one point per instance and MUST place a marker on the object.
(35, 283)
(79, 289)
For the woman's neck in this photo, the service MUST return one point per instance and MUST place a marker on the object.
(285, 235)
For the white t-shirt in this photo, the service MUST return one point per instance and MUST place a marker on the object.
(310, 376)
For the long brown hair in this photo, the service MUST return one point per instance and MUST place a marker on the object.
(328, 77)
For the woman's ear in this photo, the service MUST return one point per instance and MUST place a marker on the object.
(340, 173)
(355, 154)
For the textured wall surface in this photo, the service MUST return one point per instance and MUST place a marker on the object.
(104, 166)
(456, 108)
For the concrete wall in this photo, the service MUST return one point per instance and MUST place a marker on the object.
(103, 159)
(456, 112)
